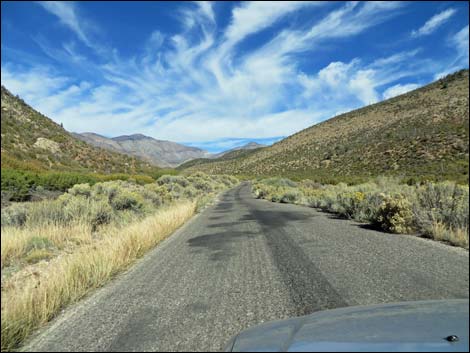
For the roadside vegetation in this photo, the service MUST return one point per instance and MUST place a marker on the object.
(24, 185)
(54, 252)
(435, 210)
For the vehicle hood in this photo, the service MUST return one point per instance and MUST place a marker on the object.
(409, 326)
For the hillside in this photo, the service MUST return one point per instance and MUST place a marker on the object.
(31, 141)
(238, 152)
(232, 152)
(158, 152)
(423, 133)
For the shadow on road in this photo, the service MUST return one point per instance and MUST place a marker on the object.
(276, 219)
(219, 246)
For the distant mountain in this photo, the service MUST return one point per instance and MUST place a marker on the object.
(248, 146)
(32, 141)
(423, 133)
(158, 152)
(233, 153)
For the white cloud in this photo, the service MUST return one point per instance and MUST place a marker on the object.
(66, 12)
(433, 23)
(253, 16)
(363, 85)
(459, 43)
(32, 85)
(398, 89)
(353, 84)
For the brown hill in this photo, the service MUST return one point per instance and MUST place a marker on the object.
(423, 133)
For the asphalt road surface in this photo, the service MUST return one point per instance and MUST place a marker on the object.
(244, 261)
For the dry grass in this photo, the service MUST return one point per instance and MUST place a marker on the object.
(18, 242)
(456, 236)
(28, 302)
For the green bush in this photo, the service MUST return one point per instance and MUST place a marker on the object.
(18, 184)
(63, 181)
(126, 200)
(173, 179)
(100, 213)
(80, 189)
(291, 196)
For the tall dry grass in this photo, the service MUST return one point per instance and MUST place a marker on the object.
(18, 242)
(27, 304)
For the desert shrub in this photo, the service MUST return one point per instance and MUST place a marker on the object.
(190, 192)
(76, 207)
(395, 214)
(80, 189)
(173, 179)
(107, 190)
(290, 196)
(445, 203)
(100, 213)
(280, 182)
(15, 215)
(175, 189)
(160, 191)
(227, 180)
(310, 184)
(203, 185)
(441, 211)
(369, 208)
(350, 203)
(275, 197)
(154, 198)
(126, 200)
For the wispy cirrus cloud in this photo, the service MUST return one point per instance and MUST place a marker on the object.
(67, 14)
(459, 42)
(434, 23)
(197, 86)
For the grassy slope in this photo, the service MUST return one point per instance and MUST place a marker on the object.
(422, 134)
(22, 126)
(226, 157)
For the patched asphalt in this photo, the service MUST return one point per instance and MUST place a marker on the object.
(245, 261)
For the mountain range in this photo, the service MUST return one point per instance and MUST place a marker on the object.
(158, 152)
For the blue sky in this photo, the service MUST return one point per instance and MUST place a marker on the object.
(219, 74)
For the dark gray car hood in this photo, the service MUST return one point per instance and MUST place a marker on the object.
(409, 326)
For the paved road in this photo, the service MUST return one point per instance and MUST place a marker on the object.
(245, 261)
